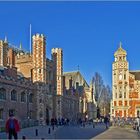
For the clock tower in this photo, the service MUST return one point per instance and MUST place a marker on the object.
(120, 84)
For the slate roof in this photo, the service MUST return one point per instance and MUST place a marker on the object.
(136, 74)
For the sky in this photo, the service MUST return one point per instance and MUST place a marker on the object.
(88, 32)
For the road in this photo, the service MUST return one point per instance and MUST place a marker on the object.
(63, 132)
(77, 132)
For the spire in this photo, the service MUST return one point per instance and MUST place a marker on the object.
(5, 40)
(120, 45)
(120, 50)
(30, 39)
(20, 46)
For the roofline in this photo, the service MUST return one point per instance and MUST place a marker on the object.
(70, 72)
(134, 71)
(76, 72)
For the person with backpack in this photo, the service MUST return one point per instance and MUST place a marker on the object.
(12, 127)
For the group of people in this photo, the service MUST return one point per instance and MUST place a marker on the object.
(122, 121)
(59, 121)
(105, 120)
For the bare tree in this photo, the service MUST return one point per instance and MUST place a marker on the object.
(102, 94)
(98, 85)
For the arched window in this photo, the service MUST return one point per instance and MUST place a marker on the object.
(13, 95)
(2, 93)
(31, 98)
(23, 97)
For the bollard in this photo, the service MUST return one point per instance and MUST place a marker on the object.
(23, 138)
(49, 130)
(83, 124)
(36, 132)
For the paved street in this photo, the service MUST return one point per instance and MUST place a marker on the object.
(118, 133)
(77, 132)
(31, 134)
(66, 132)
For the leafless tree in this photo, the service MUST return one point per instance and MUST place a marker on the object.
(102, 94)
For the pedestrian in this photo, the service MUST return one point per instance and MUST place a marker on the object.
(68, 121)
(47, 121)
(106, 121)
(93, 123)
(137, 123)
(55, 121)
(12, 127)
(23, 138)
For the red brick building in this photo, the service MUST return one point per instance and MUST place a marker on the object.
(125, 87)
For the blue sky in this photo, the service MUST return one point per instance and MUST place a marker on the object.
(88, 32)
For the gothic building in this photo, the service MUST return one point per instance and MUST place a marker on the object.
(125, 86)
(35, 88)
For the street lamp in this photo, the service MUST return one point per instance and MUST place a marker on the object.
(28, 115)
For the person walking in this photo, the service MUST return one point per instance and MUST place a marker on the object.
(137, 123)
(106, 121)
(12, 127)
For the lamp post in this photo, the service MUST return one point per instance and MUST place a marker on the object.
(28, 115)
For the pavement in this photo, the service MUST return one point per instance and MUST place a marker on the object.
(30, 133)
(78, 132)
(118, 133)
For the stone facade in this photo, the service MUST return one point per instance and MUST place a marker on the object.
(17, 95)
(41, 89)
(81, 94)
(24, 64)
(57, 58)
(125, 86)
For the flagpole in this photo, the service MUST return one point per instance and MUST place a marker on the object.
(30, 40)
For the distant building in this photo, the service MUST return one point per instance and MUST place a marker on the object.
(77, 87)
(125, 86)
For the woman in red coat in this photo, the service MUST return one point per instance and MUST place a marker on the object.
(12, 127)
